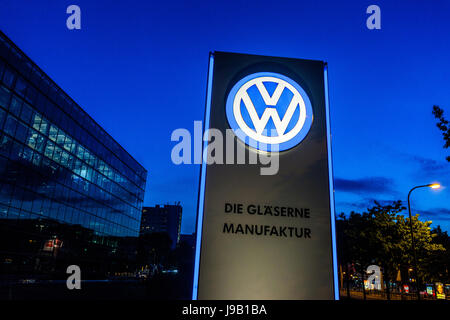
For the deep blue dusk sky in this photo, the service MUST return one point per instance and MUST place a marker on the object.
(139, 69)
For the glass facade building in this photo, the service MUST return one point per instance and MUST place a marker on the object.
(163, 219)
(68, 190)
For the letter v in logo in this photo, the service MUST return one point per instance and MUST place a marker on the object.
(250, 108)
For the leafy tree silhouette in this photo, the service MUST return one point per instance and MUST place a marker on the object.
(443, 125)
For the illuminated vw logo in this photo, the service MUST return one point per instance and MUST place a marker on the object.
(269, 111)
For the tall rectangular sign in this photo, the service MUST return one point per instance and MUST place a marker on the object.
(267, 235)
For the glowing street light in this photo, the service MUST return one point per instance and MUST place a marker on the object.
(413, 245)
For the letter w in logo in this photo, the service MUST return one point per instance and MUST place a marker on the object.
(270, 111)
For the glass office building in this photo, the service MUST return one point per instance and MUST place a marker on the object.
(69, 193)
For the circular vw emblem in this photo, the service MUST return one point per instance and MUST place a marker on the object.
(269, 111)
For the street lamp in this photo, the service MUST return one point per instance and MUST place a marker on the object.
(413, 245)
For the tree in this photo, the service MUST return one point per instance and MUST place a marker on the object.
(385, 238)
(438, 263)
(382, 236)
(443, 125)
(353, 243)
(427, 250)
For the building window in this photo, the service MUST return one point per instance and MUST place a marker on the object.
(8, 77)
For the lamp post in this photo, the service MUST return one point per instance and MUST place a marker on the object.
(413, 245)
